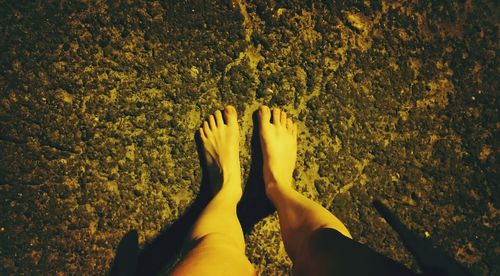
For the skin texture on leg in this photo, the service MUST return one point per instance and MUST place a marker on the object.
(218, 245)
(299, 216)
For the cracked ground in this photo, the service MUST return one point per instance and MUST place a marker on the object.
(100, 100)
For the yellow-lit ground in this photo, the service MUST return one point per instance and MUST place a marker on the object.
(100, 102)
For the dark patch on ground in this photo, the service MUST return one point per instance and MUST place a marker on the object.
(100, 102)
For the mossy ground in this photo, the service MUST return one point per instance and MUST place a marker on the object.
(100, 103)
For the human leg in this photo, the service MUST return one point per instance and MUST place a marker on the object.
(217, 237)
(299, 216)
(317, 242)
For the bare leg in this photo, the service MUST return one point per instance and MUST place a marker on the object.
(299, 216)
(219, 245)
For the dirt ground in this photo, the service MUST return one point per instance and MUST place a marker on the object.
(100, 100)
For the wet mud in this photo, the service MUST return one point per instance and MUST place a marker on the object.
(99, 104)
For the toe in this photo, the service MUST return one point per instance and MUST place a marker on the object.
(276, 116)
(202, 134)
(206, 129)
(289, 124)
(218, 118)
(283, 118)
(211, 122)
(230, 115)
(264, 114)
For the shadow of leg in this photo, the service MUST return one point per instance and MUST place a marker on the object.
(164, 250)
(126, 255)
(431, 259)
(254, 204)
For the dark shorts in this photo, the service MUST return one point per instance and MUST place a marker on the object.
(331, 253)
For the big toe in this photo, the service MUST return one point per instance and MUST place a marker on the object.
(264, 115)
(230, 115)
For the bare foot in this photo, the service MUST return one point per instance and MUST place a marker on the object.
(220, 137)
(279, 147)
